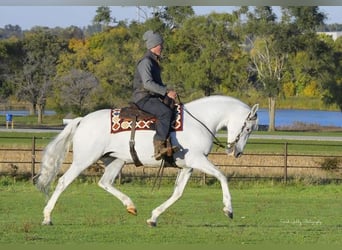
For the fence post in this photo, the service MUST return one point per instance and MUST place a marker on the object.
(33, 157)
(120, 177)
(204, 179)
(285, 162)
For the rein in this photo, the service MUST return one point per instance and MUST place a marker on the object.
(216, 141)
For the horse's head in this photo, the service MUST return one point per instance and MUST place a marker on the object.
(239, 131)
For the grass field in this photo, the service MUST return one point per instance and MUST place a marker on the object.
(24, 139)
(263, 157)
(263, 213)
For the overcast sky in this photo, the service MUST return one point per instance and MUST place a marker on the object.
(63, 16)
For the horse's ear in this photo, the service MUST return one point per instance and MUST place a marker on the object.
(254, 110)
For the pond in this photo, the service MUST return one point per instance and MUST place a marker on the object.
(24, 112)
(284, 117)
(287, 117)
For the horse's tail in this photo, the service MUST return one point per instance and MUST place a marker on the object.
(54, 155)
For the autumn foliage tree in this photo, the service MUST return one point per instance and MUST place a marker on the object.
(248, 53)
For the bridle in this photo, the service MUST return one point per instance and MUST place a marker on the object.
(217, 141)
(249, 118)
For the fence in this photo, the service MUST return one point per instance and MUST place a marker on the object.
(285, 161)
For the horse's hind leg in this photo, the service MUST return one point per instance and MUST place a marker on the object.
(182, 180)
(112, 169)
(63, 183)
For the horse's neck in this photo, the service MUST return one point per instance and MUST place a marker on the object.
(216, 112)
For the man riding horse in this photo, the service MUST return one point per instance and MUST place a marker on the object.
(151, 94)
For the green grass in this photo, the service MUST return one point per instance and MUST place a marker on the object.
(31, 120)
(291, 102)
(252, 146)
(257, 146)
(264, 213)
(306, 133)
(294, 147)
(25, 138)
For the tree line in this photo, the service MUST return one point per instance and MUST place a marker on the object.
(247, 52)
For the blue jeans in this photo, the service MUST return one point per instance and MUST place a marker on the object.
(163, 113)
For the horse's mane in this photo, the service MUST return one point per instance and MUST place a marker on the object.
(219, 98)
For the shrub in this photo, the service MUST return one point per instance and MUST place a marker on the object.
(330, 164)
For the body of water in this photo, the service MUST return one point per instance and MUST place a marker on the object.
(287, 117)
(284, 117)
(24, 112)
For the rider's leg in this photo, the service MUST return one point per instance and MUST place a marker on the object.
(163, 114)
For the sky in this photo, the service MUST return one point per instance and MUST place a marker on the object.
(64, 16)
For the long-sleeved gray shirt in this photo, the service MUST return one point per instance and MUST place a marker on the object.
(147, 78)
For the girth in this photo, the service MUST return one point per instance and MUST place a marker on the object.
(133, 113)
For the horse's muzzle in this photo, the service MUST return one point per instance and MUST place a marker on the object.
(230, 151)
(233, 152)
(238, 154)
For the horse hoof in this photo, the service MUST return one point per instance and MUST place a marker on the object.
(47, 223)
(151, 223)
(228, 213)
(132, 210)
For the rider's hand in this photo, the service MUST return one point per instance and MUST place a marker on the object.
(172, 94)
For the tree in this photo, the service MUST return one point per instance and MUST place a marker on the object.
(175, 16)
(10, 61)
(269, 65)
(75, 90)
(68, 33)
(201, 54)
(314, 61)
(298, 75)
(275, 42)
(333, 83)
(10, 31)
(103, 17)
(306, 18)
(111, 57)
(267, 57)
(34, 82)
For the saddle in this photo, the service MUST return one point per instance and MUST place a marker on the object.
(134, 114)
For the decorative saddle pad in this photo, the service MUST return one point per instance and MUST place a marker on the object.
(119, 124)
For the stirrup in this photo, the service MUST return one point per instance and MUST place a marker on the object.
(166, 152)
(158, 156)
(170, 148)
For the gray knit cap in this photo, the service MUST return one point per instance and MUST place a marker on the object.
(152, 39)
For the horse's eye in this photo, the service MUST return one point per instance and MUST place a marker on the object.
(248, 130)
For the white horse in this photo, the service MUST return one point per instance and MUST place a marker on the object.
(92, 141)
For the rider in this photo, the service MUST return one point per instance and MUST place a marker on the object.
(151, 94)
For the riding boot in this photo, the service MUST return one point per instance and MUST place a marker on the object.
(160, 149)
(171, 149)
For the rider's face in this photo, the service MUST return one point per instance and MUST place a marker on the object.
(158, 49)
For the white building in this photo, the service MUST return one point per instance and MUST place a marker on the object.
(334, 35)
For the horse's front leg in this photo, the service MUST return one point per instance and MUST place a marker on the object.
(204, 165)
(113, 167)
(180, 184)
